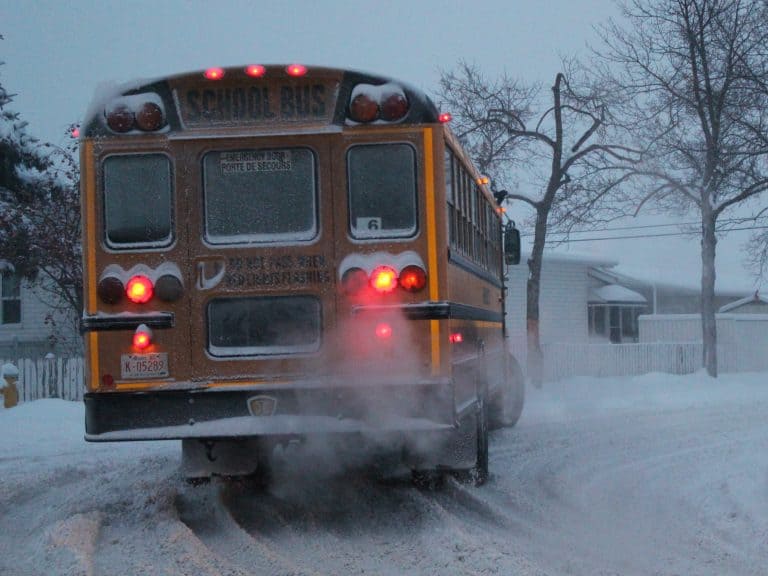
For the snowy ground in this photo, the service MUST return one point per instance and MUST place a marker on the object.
(650, 475)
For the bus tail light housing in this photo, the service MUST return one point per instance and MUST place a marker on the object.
(120, 118)
(139, 289)
(168, 288)
(150, 117)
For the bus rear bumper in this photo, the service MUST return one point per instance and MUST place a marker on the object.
(269, 411)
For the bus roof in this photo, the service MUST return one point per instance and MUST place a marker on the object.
(259, 97)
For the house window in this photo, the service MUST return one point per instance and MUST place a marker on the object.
(10, 298)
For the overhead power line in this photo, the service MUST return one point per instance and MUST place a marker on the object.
(633, 236)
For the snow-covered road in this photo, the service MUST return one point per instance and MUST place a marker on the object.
(650, 475)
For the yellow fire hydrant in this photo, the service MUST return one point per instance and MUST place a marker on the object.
(8, 377)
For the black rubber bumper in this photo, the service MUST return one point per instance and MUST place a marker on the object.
(277, 410)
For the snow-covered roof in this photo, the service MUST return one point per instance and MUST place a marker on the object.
(615, 294)
(754, 298)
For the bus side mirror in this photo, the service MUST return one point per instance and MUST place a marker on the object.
(511, 244)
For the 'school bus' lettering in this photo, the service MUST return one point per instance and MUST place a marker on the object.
(312, 247)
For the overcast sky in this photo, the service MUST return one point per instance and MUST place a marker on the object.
(58, 52)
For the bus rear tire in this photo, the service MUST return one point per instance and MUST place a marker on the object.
(508, 402)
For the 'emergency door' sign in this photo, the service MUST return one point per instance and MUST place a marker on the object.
(255, 161)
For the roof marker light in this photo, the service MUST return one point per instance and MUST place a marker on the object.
(255, 70)
(445, 117)
(483, 180)
(214, 73)
(296, 70)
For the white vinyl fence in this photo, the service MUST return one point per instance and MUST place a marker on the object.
(49, 378)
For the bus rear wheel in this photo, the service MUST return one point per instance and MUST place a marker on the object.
(510, 398)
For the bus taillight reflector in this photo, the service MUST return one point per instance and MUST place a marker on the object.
(214, 73)
(363, 108)
(383, 331)
(296, 70)
(394, 107)
(413, 278)
(384, 279)
(139, 289)
(255, 70)
(149, 117)
(142, 338)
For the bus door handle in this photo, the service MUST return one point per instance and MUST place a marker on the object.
(210, 271)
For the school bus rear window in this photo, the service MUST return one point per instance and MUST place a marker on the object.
(254, 326)
(138, 201)
(260, 196)
(382, 190)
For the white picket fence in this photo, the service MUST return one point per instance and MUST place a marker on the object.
(49, 378)
(562, 360)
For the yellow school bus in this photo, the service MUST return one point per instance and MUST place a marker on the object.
(278, 252)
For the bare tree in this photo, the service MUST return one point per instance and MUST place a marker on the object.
(40, 211)
(691, 74)
(558, 158)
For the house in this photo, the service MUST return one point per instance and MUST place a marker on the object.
(754, 304)
(30, 327)
(584, 300)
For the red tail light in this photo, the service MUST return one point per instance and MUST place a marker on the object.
(139, 289)
(413, 278)
(383, 331)
(142, 338)
(384, 279)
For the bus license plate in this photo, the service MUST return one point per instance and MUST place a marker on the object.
(153, 365)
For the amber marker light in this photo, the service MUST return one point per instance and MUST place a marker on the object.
(483, 180)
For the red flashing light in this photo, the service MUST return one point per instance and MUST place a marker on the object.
(394, 107)
(214, 73)
(363, 108)
(139, 289)
(413, 278)
(445, 117)
(383, 331)
(256, 70)
(456, 338)
(142, 338)
(296, 70)
(384, 279)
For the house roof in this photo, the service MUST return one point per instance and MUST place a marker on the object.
(754, 298)
(615, 294)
